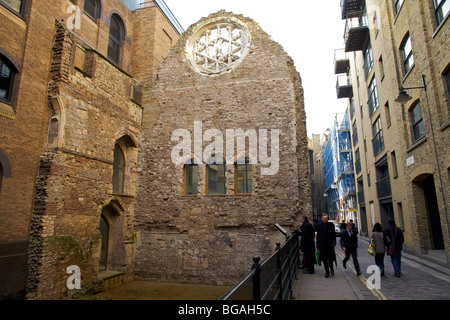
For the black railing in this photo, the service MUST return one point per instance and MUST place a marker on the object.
(273, 278)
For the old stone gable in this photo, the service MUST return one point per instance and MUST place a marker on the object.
(224, 73)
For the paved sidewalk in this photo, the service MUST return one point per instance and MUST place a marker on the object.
(420, 279)
(317, 287)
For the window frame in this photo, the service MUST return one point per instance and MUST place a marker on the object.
(368, 59)
(377, 137)
(210, 163)
(20, 13)
(439, 14)
(416, 123)
(185, 178)
(406, 58)
(12, 77)
(97, 9)
(115, 40)
(372, 92)
(398, 4)
(236, 182)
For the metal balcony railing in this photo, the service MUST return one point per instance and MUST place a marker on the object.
(384, 188)
(350, 7)
(356, 32)
(361, 198)
(344, 87)
(341, 61)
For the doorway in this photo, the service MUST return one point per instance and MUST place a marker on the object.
(434, 219)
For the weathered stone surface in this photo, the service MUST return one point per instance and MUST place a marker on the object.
(209, 238)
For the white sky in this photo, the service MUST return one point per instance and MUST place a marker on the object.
(309, 32)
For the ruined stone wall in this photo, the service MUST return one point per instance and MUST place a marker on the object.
(212, 238)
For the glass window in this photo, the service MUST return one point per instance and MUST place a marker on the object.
(92, 9)
(6, 80)
(244, 177)
(398, 5)
(373, 96)
(378, 140)
(115, 39)
(417, 122)
(447, 80)
(190, 179)
(118, 170)
(368, 59)
(407, 54)
(216, 177)
(14, 5)
(441, 7)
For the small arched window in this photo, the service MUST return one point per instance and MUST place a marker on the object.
(118, 170)
(116, 35)
(7, 73)
(244, 176)
(92, 8)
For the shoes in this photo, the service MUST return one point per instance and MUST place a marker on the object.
(358, 274)
(397, 275)
(327, 275)
(344, 263)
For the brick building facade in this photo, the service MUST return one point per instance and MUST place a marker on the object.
(401, 148)
(70, 118)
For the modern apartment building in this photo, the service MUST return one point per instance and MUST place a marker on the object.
(394, 70)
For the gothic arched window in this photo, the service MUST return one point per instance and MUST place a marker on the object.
(116, 35)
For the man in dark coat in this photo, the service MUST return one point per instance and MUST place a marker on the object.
(395, 246)
(326, 241)
(307, 245)
(349, 243)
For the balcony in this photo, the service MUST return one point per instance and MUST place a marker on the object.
(384, 188)
(356, 33)
(341, 61)
(361, 198)
(350, 7)
(344, 87)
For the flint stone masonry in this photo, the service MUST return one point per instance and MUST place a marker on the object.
(212, 238)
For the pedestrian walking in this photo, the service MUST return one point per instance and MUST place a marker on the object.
(395, 246)
(381, 242)
(307, 245)
(349, 243)
(326, 241)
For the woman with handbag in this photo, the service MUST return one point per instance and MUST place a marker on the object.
(379, 241)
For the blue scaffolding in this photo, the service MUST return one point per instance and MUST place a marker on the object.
(340, 186)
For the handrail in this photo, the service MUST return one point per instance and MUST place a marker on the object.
(280, 279)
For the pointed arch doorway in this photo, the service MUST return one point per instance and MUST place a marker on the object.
(113, 253)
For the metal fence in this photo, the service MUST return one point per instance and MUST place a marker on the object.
(273, 278)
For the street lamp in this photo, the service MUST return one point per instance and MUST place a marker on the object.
(404, 97)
